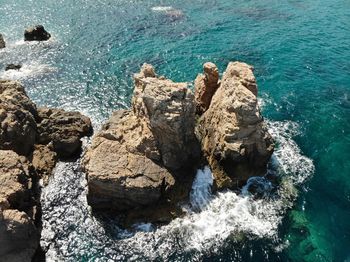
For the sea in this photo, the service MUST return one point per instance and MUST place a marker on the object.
(300, 50)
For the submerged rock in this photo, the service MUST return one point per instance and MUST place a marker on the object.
(135, 159)
(64, 129)
(232, 132)
(19, 237)
(36, 33)
(13, 67)
(205, 87)
(2, 42)
(18, 113)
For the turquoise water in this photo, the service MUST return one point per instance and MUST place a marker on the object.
(301, 54)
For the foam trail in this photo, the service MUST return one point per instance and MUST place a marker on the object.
(27, 71)
(162, 8)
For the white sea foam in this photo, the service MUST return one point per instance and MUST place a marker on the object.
(162, 8)
(71, 231)
(27, 71)
(201, 189)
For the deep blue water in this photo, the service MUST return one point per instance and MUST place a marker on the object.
(301, 54)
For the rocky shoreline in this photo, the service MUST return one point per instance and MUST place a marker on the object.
(32, 140)
(142, 162)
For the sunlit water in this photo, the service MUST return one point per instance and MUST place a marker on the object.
(300, 51)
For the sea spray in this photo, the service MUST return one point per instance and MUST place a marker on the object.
(201, 189)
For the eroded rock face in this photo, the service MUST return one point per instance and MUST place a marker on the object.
(131, 161)
(2, 42)
(169, 111)
(233, 135)
(18, 130)
(119, 175)
(63, 129)
(44, 160)
(19, 237)
(205, 87)
(36, 33)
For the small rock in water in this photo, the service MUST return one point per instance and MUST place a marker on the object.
(2, 42)
(13, 67)
(36, 33)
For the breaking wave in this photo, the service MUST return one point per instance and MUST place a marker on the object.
(71, 233)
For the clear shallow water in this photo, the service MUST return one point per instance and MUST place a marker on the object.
(301, 53)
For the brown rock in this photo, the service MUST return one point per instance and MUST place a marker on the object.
(19, 238)
(233, 135)
(119, 176)
(205, 87)
(135, 158)
(169, 111)
(17, 118)
(44, 160)
(64, 129)
(2, 42)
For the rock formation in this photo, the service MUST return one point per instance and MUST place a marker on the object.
(205, 87)
(64, 129)
(2, 42)
(13, 67)
(44, 160)
(18, 116)
(19, 237)
(234, 138)
(36, 33)
(31, 140)
(134, 161)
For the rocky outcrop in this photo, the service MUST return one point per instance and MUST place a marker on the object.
(2, 42)
(19, 237)
(119, 175)
(44, 160)
(232, 132)
(13, 67)
(205, 87)
(36, 33)
(136, 158)
(63, 129)
(29, 140)
(169, 112)
(18, 115)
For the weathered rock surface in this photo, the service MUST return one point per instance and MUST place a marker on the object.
(44, 160)
(18, 128)
(205, 87)
(134, 159)
(64, 129)
(169, 111)
(2, 42)
(36, 33)
(233, 135)
(120, 177)
(35, 134)
(19, 237)
(13, 67)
